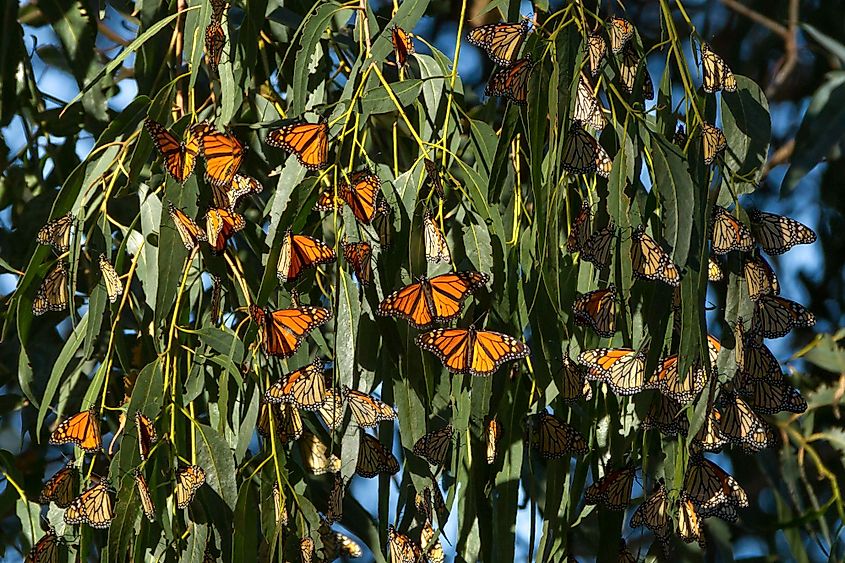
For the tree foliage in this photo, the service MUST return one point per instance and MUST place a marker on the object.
(185, 345)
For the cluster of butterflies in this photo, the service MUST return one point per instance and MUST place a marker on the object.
(427, 303)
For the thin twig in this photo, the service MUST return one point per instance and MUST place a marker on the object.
(757, 17)
(181, 96)
(780, 156)
(787, 33)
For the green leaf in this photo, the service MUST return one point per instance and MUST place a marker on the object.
(823, 127)
(748, 130)
(245, 543)
(134, 46)
(378, 100)
(674, 187)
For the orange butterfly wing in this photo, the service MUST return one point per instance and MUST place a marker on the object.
(361, 195)
(449, 291)
(359, 255)
(491, 349)
(283, 330)
(408, 303)
(220, 226)
(300, 252)
(308, 141)
(402, 45)
(223, 156)
(82, 429)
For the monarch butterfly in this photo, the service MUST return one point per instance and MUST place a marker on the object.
(776, 234)
(554, 438)
(46, 550)
(613, 491)
(217, 9)
(622, 369)
(597, 309)
(286, 419)
(432, 175)
(308, 141)
(114, 287)
(147, 504)
(305, 388)
(742, 425)
(467, 350)
(402, 45)
(713, 142)
(629, 67)
(306, 550)
(587, 107)
(771, 396)
(689, 521)
(282, 331)
(650, 261)
(422, 502)
(430, 300)
(93, 507)
(492, 435)
(431, 546)
(334, 512)
(188, 230)
(332, 410)
(625, 555)
(188, 481)
(775, 316)
(713, 490)
(146, 434)
(223, 154)
(362, 193)
(573, 385)
(279, 508)
(753, 358)
(669, 382)
(374, 458)
(57, 232)
(179, 157)
(359, 255)
(216, 299)
(288, 423)
(501, 41)
(227, 196)
(620, 31)
(366, 409)
(337, 545)
(759, 277)
(299, 253)
(581, 229)
(82, 429)
(717, 75)
(582, 153)
(215, 40)
(434, 446)
(52, 295)
(727, 233)
(596, 249)
(316, 456)
(653, 513)
(714, 270)
(664, 415)
(680, 137)
(61, 487)
(595, 47)
(710, 437)
(511, 82)
(402, 549)
(220, 226)
(436, 248)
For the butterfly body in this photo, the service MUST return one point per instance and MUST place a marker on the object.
(283, 330)
(467, 350)
(308, 141)
(432, 300)
(501, 41)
